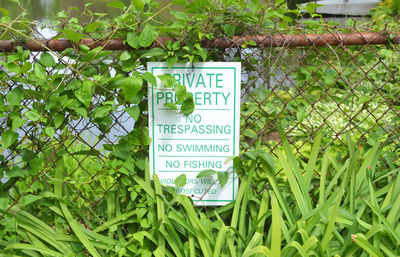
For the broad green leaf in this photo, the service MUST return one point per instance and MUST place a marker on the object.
(72, 35)
(17, 121)
(91, 27)
(130, 87)
(84, 94)
(149, 77)
(3, 204)
(102, 111)
(180, 2)
(5, 12)
(15, 96)
(167, 80)
(179, 15)
(74, 84)
(117, 4)
(188, 104)
(132, 39)
(139, 4)
(8, 138)
(229, 30)
(32, 115)
(125, 56)
(171, 61)
(157, 51)
(47, 60)
(27, 66)
(40, 71)
(180, 92)
(147, 36)
(171, 106)
(49, 131)
(206, 173)
(180, 181)
(222, 178)
(133, 111)
(58, 119)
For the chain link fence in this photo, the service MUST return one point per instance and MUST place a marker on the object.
(331, 83)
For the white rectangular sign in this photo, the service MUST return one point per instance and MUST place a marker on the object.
(202, 140)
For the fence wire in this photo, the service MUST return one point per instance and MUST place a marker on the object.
(331, 83)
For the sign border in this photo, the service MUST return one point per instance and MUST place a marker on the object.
(234, 122)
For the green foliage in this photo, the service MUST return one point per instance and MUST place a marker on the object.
(66, 197)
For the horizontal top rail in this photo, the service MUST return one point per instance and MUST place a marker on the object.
(219, 42)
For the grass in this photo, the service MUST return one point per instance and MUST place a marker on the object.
(323, 208)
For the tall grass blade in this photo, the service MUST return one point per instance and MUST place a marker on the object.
(311, 164)
(295, 170)
(220, 241)
(276, 227)
(44, 251)
(78, 231)
(364, 244)
(323, 175)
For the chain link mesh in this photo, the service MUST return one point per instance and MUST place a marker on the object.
(331, 83)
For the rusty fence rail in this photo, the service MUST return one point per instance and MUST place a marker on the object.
(333, 83)
(361, 38)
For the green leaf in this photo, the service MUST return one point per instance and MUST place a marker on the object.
(15, 96)
(222, 178)
(206, 173)
(180, 2)
(72, 35)
(28, 199)
(17, 121)
(180, 181)
(179, 15)
(84, 94)
(139, 4)
(3, 204)
(8, 138)
(133, 111)
(49, 132)
(149, 77)
(58, 119)
(167, 80)
(180, 92)
(157, 51)
(77, 229)
(171, 106)
(27, 66)
(5, 12)
(132, 40)
(39, 71)
(147, 36)
(47, 60)
(91, 27)
(102, 111)
(131, 86)
(188, 104)
(171, 61)
(124, 56)
(32, 115)
(229, 30)
(117, 4)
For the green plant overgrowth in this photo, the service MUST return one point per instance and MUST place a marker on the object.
(66, 196)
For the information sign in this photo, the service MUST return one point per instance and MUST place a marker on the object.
(202, 140)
